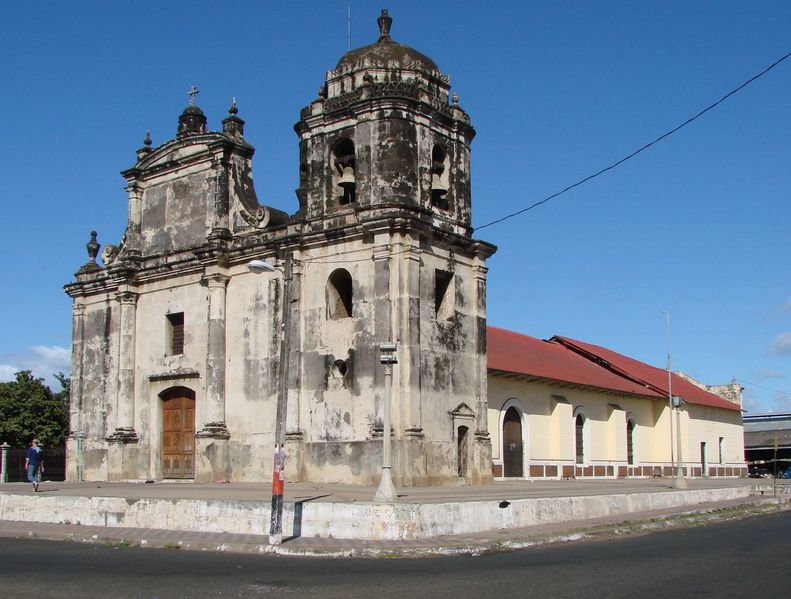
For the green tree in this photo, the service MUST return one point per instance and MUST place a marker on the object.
(64, 394)
(29, 409)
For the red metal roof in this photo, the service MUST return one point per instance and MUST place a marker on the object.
(640, 372)
(521, 354)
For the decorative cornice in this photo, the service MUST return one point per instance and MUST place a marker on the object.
(182, 373)
(123, 435)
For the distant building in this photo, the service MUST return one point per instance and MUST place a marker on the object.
(767, 442)
(177, 362)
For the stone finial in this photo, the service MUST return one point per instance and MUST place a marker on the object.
(455, 99)
(385, 21)
(146, 149)
(232, 124)
(93, 248)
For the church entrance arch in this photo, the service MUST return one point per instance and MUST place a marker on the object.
(178, 433)
(512, 444)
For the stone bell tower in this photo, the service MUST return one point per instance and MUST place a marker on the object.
(381, 133)
(387, 255)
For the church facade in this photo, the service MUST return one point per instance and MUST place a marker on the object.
(217, 321)
(181, 347)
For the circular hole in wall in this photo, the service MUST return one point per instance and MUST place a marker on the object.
(339, 369)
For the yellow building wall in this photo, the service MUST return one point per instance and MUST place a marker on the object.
(548, 413)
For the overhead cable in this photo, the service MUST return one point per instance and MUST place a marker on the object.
(636, 152)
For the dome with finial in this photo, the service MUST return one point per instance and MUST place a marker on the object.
(387, 54)
(192, 120)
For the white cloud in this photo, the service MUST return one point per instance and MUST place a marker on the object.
(781, 403)
(767, 373)
(43, 361)
(7, 372)
(782, 344)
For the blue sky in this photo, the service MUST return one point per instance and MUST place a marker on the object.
(697, 225)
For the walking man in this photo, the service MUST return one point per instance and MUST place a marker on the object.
(34, 463)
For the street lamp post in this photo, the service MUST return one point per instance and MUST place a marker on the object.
(279, 459)
(386, 492)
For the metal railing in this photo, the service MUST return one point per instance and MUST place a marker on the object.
(13, 464)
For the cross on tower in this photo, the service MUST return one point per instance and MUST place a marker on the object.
(192, 93)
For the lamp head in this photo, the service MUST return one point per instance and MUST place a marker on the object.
(260, 266)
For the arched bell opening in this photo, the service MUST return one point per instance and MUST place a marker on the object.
(440, 174)
(344, 177)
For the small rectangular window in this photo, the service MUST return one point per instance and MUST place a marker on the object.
(176, 333)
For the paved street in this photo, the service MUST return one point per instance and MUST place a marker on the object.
(733, 559)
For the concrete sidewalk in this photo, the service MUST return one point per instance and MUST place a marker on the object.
(335, 520)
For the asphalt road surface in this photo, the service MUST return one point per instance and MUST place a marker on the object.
(744, 558)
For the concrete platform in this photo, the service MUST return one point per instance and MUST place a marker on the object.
(346, 512)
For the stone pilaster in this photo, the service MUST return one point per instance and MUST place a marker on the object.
(220, 230)
(294, 430)
(73, 449)
(132, 235)
(215, 359)
(409, 334)
(383, 326)
(481, 472)
(125, 405)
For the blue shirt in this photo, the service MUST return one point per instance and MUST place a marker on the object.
(35, 456)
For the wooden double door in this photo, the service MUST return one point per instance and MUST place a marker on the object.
(178, 433)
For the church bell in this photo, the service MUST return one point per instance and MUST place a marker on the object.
(347, 178)
(438, 188)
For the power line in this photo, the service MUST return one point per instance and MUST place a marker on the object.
(762, 387)
(645, 147)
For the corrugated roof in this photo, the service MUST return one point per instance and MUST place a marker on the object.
(766, 439)
(521, 354)
(640, 372)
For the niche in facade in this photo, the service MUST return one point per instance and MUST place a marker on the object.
(339, 295)
(443, 294)
(440, 169)
(344, 178)
(339, 369)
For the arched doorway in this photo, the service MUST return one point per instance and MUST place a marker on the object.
(512, 444)
(579, 437)
(178, 433)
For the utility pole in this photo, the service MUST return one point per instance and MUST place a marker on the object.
(279, 460)
(669, 387)
(279, 470)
